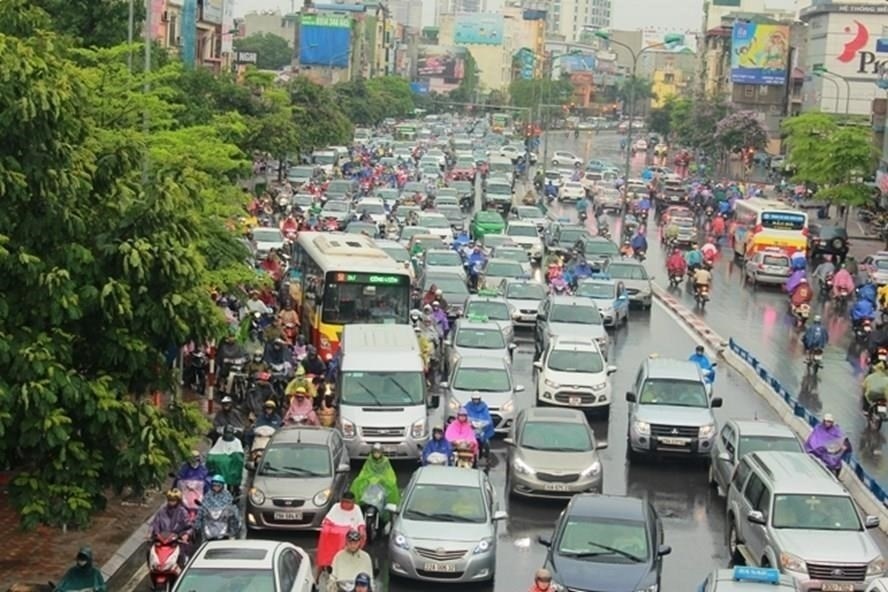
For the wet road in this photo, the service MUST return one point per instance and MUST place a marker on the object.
(759, 319)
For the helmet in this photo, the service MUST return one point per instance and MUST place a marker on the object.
(377, 447)
(300, 391)
(803, 281)
(353, 536)
(362, 579)
(217, 479)
(269, 404)
(226, 400)
(817, 318)
(300, 370)
(543, 574)
(174, 495)
(476, 396)
(462, 411)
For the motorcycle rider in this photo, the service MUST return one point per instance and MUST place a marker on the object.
(474, 263)
(479, 411)
(436, 444)
(172, 517)
(816, 336)
(349, 562)
(582, 207)
(709, 252)
(702, 277)
(312, 362)
(257, 364)
(867, 291)
(843, 281)
(671, 232)
(550, 191)
(639, 242)
(300, 381)
(699, 358)
(797, 261)
(193, 470)
(83, 575)
(440, 319)
(863, 310)
(218, 498)
(676, 265)
(694, 258)
(227, 416)
(377, 469)
(228, 350)
(278, 354)
(461, 430)
(875, 386)
(826, 269)
(882, 297)
(269, 417)
(824, 433)
(542, 581)
(301, 409)
(538, 179)
(801, 294)
(255, 304)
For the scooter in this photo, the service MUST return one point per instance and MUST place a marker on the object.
(463, 455)
(801, 314)
(480, 425)
(826, 286)
(198, 372)
(862, 330)
(675, 280)
(192, 494)
(372, 503)
(163, 561)
(261, 437)
(216, 524)
(876, 415)
(814, 361)
(841, 299)
(831, 456)
(701, 296)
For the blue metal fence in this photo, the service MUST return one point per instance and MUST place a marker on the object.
(799, 410)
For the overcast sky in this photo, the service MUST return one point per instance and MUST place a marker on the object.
(628, 14)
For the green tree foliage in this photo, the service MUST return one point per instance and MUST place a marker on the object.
(639, 89)
(272, 51)
(470, 84)
(530, 93)
(835, 157)
(100, 273)
(659, 119)
(369, 102)
(694, 121)
(93, 23)
(319, 120)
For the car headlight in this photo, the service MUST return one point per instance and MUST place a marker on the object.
(321, 497)
(400, 541)
(790, 562)
(592, 469)
(508, 406)
(643, 428)
(521, 467)
(257, 498)
(707, 431)
(651, 588)
(549, 383)
(483, 546)
(348, 428)
(601, 341)
(876, 567)
(453, 404)
(419, 428)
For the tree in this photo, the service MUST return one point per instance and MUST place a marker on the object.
(835, 157)
(369, 102)
(395, 94)
(123, 269)
(641, 89)
(318, 119)
(272, 51)
(528, 94)
(470, 83)
(659, 119)
(741, 130)
(693, 122)
(93, 23)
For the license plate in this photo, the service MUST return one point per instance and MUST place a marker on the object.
(836, 587)
(555, 487)
(390, 449)
(882, 409)
(439, 567)
(288, 515)
(575, 401)
(675, 441)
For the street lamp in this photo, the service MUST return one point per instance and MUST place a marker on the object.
(670, 40)
(823, 76)
(820, 71)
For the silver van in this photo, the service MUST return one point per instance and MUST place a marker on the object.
(382, 391)
(786, 511)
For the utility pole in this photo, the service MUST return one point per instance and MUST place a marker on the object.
(146, 89)
(129, 35)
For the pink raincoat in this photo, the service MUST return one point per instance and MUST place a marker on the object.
(842, 280)
(461, 431)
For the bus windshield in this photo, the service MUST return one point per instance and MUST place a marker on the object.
(374, 302)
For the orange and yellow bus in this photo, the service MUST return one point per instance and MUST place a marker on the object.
(338, 279)
(762, 223)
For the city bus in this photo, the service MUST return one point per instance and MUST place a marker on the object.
(762, 223)
(501, 122)
(339, 279)
(405, 131)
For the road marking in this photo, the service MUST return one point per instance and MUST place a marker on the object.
(683, 324)
(137, 578)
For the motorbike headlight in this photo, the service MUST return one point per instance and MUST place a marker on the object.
(257, 498)
(642, 428)
(400, 540)
(321, 497)
(419, 428)
(508, 406)
(876, 567)
(522, 468)
(707, 431)
(348, 428)
(483, 546)
(549, 383)
(790, 562)
(593, 469)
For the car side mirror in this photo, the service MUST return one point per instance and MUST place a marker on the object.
(444, 384)
(871, 522)
(513, 346)
(538, 365)
(519, 388)
(250, 465)
(714, 364)
(391, 508)
(500, 515)
(726, 456)
(611, 370)
(544, 540)
(716, 402)
(541, 316)
(630, 397)
(508, 441)
(664, 550)
(343, 467)
(601, 444)
(756, 517)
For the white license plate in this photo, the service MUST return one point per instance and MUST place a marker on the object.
(675, 441)
(288, 515)
(439, 567)
(836, 587)
(390, 449)
(555, 487)
(575, 401)
(882, 409)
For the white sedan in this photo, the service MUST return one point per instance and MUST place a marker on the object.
(566, 158)
(641, 145)
(572, 191)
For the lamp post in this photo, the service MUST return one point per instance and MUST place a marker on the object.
(823, 76)
(547, 80)
(821, 71)
(669, 40)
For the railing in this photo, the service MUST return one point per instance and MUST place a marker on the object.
(799, 410)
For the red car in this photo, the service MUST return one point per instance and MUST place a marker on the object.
(463, 171)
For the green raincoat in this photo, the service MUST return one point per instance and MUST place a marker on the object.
(80, 578)
(377, 471)
(226, 458)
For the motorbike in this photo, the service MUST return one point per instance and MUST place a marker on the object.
(372, 503)
(639, 256)
(801, 314)
(163, 561)
(480, 425)
(463, 455)
(437, 458)
(881, 355)
(675, 280)
(701, 295)
(826, 286)
(238, 377)
(331, 541)
(582, 216)
(862, 330)
(290, 333)
(841, 298)
(198, 364)
(814, 360)
(216, 524)
(877, 414)
(261, 436)
(330, 225)
(831, 456)
(192, 494)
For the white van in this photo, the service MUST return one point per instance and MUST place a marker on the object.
(326, 160)
(382, 391)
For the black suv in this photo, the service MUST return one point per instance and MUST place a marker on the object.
(827, 240)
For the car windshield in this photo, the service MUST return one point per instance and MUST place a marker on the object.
(815, 512)
(494, 311)
(214, 579)
(575, 314)
(518, 255)
(525, 212)
(499, 189)
(324, 159)
(399, 254)
(555, 436)
(605, 541)
(480, 339)
(583, 362)
(521, 230)
(526, 291)
(775, 260)
(684, 223)
(464, 163)
(503, 269)
(411, 231)
(339, 187)
(443, 259)
(346, 303)
(770, 443)
(362, 228)
(440, 502)
(301, 172)
(452, 213)
(573, 186)
(495, 240)
(371, 208)
(627, 272)
(488, 380)
(452, 286)
(382, 388)
(295, 460)
(678, 393)
(434, 221)
(595, 290)
(335, 206)
(571, 235)
(267, 235)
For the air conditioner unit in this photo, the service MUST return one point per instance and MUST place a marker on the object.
(165, 16)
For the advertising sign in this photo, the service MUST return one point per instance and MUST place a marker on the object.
(479, 29)
(861, 51)
(759, 53)
(212, 11)
(420, 88)
(325, 40)
(524, 61)
(440, 62)
(578, 63)
(326, 20)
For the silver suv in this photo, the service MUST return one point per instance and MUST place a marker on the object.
(785, 510)
(670, 411)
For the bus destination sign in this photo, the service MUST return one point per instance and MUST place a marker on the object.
(371, 278)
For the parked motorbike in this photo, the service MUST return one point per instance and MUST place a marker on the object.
(163, 561)
(372, 504)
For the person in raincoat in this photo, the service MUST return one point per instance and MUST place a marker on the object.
(377, 469)
(461, 430)
(218, 498)
(437, 444)
(193, 470)
(226, 458)
(794, 280)
(83, 575)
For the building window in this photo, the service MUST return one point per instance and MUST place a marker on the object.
(763, 90)
(748, 92)
(669, 78)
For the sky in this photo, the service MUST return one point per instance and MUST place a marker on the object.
(678, 15)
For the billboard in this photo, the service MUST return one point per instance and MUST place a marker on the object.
(524, 62)
(212, 11)
(420, 88)
(441, 62)
(325, 40)
(759, 53)
(579, 63)
(478, 29)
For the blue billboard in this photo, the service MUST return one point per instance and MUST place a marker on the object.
(325, 40)
(478, 29)
(578, 63)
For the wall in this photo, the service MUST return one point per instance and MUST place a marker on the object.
(668, 80)
(494, 61)
(270, 22)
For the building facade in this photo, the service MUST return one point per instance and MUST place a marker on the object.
(270, 22)
(205, 42)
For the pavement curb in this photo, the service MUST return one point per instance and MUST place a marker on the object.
(858, 490)
(127, 549)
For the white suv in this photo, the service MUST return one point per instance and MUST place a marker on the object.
(572, 372)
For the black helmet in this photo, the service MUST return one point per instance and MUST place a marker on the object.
(362, 579)
(353, 536)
